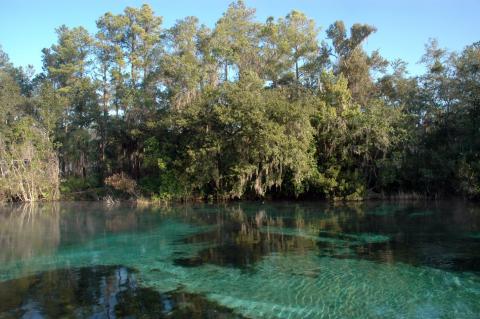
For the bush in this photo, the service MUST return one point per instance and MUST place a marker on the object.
(28, 164)
(122, 182)
(163, 188)
(78, 188)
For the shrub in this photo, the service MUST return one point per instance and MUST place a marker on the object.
(28, 164)
(122, 182)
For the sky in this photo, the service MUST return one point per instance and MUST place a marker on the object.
(404, 26)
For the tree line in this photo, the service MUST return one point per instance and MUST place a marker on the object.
(247, 109)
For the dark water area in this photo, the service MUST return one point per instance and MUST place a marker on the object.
(98, 292)
(241, 260)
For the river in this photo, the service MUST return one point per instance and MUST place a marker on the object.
(240, 260)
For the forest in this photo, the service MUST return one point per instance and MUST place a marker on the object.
(245, 110)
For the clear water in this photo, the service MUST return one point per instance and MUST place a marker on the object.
(248, 260)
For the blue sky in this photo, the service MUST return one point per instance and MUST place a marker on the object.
(404, 26)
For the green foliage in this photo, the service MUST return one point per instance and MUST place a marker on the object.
(468, 177)
(163, 183)
(74, 184)
(28, 162)
(164, 187)
(243, 138)
(246, 109)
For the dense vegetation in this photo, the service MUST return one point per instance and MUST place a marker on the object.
(247, 109)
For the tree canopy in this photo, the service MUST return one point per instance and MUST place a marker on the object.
(247, 109)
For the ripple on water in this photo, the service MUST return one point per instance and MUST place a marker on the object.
(280, 285)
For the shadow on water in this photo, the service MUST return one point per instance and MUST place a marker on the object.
(98, 292)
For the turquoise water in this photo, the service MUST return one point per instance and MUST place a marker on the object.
(249, 260)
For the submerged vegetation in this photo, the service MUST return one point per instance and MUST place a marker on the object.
(247, 259)
(246, 109)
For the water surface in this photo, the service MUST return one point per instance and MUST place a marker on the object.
(248, 260)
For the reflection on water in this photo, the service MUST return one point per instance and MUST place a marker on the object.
(274, 260)
(98, 292)
(27, 231)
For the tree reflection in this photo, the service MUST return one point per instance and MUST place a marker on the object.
(240, 234)
(28, 230)
(98, 292)
(382, 232)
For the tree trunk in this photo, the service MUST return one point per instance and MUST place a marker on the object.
(105, 116)
(226, 71)
(297, 75)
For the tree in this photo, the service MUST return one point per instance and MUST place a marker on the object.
(182, 65)
(247, 109)
(353, 145)
(242, 139)
(298, 39)
(28, 162)
(234, 40)
(352, 61)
